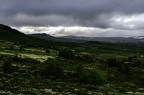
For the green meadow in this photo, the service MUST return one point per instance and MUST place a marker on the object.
(83, 69)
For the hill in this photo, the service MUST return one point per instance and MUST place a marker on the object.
(56, 39)
(9, 34)
(48, 37)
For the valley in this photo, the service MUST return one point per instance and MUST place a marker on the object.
(39, 67)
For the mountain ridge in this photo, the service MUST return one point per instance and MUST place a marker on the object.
(9, 34)
(52, 38)
(72, 38)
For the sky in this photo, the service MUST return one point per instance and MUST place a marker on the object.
(93, 18)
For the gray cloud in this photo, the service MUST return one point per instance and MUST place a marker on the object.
(86, 13)
(47, 20)
(73, 7)
(82, 10)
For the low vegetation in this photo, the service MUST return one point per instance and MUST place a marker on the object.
(67, 71)
(36, 68)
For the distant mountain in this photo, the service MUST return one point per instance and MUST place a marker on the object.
(78, 37)
(9, 34)
(96, 40)
(56, 39)
(46, 36)
(138, 37)
(135, 39)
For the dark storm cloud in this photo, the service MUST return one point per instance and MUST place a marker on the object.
(71, 7)
(95, 13)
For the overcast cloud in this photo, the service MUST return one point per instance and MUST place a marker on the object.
(75, 17)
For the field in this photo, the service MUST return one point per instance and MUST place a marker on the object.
(71, 69)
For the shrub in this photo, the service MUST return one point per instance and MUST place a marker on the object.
(67, 54)
(85, 57)
(79, 69)
(137, 63)
(21, 48)
(130, 59)
(90, 76)
(96, 78)
(112, 62)
(1, 48)
(126, 69)
(7, 66)
(47, 51)
(53, 69)
(120, 65)
(11, 48)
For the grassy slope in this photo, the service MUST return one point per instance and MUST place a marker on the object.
(23, 81)
(9, 34)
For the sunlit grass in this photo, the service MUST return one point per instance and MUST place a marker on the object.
(37, 57)
(29, 55)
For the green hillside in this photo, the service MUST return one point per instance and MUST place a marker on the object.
(34, 66)
(13, 35)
